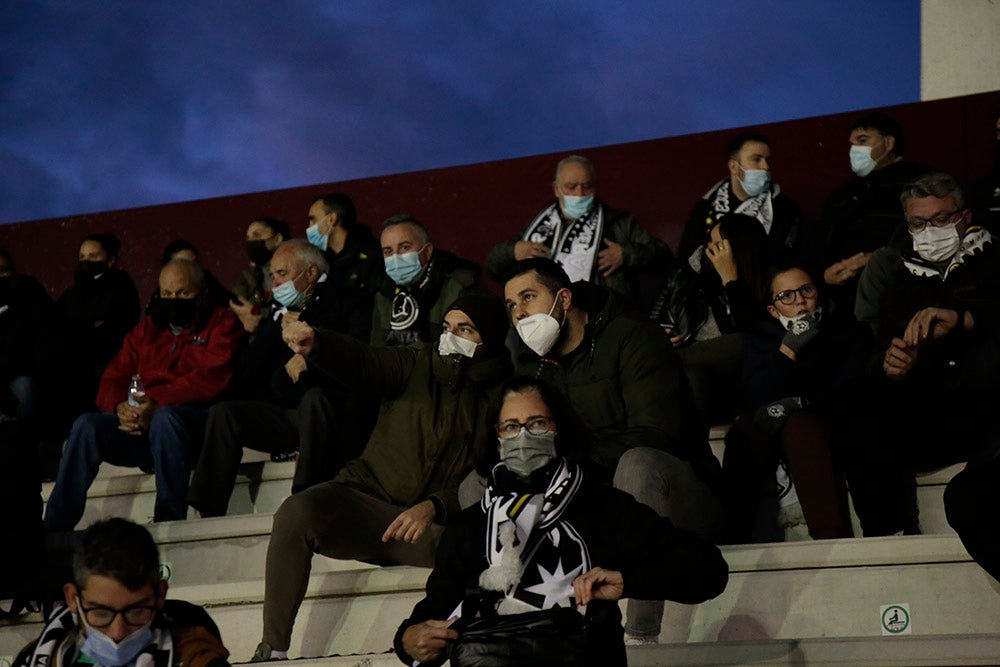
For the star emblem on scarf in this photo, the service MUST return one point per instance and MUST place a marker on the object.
(556, 586)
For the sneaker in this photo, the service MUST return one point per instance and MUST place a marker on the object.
(264, 653)
(640, 640)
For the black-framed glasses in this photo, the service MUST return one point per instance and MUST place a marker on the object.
(102, 617)
(787, 296)
(535, 426)
(942, 219)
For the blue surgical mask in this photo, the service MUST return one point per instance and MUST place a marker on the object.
(317, 239)
(404, 268)
(287, 295)
(755, 181)
(576, 207)
(106, 651)
(862, 163)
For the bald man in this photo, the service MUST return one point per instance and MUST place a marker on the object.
(183, 352)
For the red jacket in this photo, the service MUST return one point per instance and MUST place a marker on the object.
(188, 369)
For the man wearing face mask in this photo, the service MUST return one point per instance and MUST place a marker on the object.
(589, 239)
(937, 347)
(863, 214)
(183, 352)
(748, 190)
(421, 282)
(389, 504)
(283, 405)
(350, 249)
(626, 382)
(116, 611)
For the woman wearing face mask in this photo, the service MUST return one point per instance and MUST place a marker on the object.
(706, 304)
(96, 312)
(252, 292)
(549, 544)
(802, 368)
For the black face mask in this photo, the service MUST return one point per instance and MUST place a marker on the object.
(90, 269)
(258, 253)
(179, 313)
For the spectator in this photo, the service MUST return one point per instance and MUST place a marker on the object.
(117, 612)
(285, 404)
(971, 500)
(421, 282)
(984, 195)
(183, 352)
(863, 214)
(388, 505)
(97, 311)
(356, 269)
(544, 512)
(252, 294)
(749, 191)
(181, 249)
(803, 368)
(26, 315)
(706, 305)
(937, 350)
(589, 239)
(626, 382)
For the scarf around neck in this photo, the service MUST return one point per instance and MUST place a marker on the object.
(575, 245)
(533, 553)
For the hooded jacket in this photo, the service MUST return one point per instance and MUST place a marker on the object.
(432, 419)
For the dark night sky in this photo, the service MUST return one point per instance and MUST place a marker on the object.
(107, 105)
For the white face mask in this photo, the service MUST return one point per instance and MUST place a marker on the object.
(540, 331)
(936, 244)
(862, 163)
(787, 321)
(452, 344)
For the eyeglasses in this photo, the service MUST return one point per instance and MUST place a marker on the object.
(940, 220)
(102, 617)
(787, 296)
(534, 426)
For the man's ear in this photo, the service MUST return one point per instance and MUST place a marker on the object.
(890, 143)
(161, 593)
(734, 168)
(567, 300)
(555, 190)
(774, 312)
(427, 252)
(70, 593)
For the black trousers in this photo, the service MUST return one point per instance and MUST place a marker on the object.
(972, 503)
(326, 428)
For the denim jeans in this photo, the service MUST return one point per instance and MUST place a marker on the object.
(175, 435)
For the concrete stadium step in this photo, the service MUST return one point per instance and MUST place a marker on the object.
(903, 651)
(778, 592)
(128, 492)
(261, 486)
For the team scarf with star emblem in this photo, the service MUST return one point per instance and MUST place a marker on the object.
(534, 555)
(573, 246)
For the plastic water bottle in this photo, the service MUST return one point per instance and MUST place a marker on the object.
(136, 391)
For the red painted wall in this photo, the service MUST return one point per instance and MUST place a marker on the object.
(469, 208)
